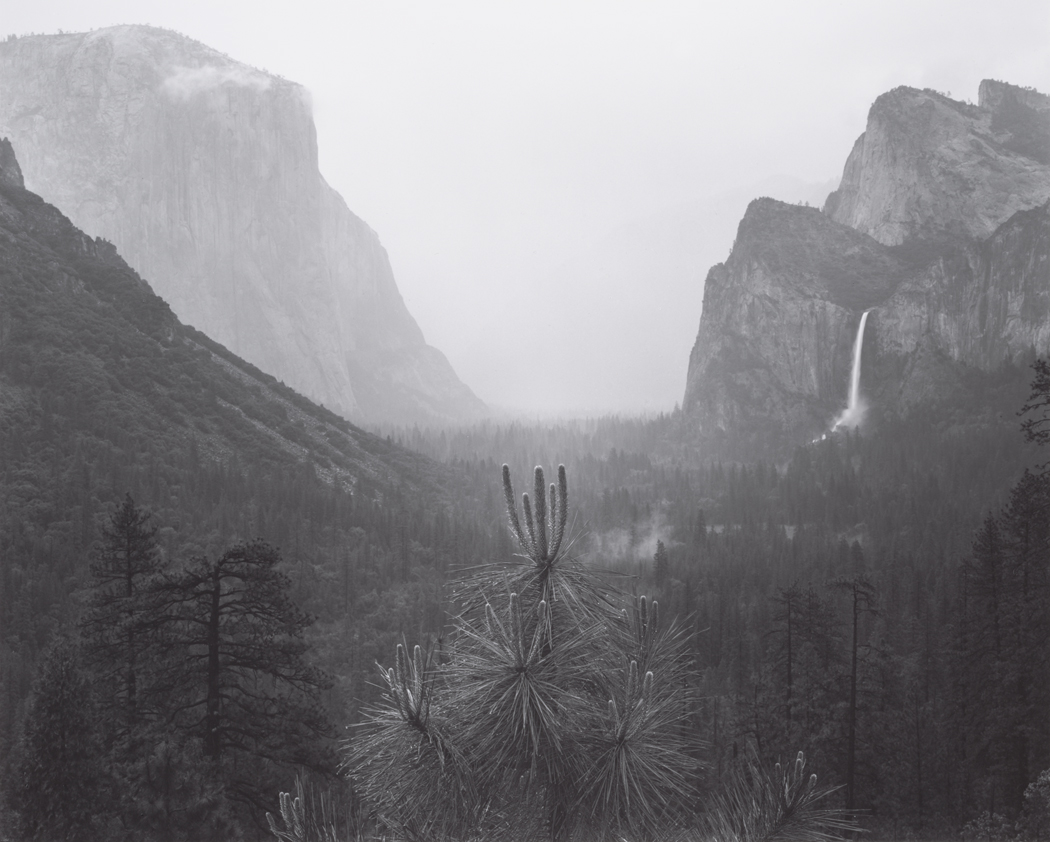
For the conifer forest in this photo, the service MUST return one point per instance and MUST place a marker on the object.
(270, 570)
(652, 647)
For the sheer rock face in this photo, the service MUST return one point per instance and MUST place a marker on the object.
(780, 316)
(203, 172)
(92, 361)
(941, 228)
(927, 164)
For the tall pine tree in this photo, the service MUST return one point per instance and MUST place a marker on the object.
(61, 791)
(235, 668)
(120, 622)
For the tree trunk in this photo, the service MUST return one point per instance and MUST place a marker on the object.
(212, 739)
(851, 745)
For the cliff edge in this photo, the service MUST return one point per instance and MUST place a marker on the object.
(203, 172)
(941, 229)
(928, 165)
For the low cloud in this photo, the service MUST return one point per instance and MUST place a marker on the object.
(185, 82)
(639, 544)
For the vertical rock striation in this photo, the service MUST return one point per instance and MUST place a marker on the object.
(203, 172)
(772, 357)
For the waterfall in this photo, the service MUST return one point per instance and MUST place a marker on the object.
(854, 412)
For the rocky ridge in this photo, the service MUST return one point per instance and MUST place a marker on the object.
(85, 342)
(203, 172)
(927, 164)
(941, 227)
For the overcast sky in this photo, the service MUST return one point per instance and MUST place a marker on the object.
(553, 180)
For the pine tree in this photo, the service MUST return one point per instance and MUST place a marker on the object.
(861, 593)
(1005, 644)
(236, 669)
(557, 713)
(789, 602)
(1036, 427)
(61, 792)
(660, 563)
(119, 624)
(563, 711)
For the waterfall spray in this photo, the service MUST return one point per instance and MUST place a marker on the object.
(854, 412)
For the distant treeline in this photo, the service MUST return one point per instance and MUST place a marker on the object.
(876, 600)
(844, 602)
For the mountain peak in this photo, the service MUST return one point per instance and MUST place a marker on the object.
(992, 93)
(203, 172)
(929, 165)
(823, 259)
(10, 172)
(940, 232)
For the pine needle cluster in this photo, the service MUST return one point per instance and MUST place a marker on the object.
(560, 709)
(785, 806)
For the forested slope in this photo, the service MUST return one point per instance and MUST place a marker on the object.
(764, 561)
(923, 535)
(104, 392)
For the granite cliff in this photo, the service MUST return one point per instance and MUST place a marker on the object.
(92, 360)
(927, 164)
(941, 227)
(203, 173)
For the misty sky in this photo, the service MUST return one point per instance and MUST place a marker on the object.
(553, 180)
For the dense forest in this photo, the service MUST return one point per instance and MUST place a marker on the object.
(104, 394)
(876, 600)
(201, 570)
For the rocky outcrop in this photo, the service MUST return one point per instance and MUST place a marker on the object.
(10, 172)
(927, 164)
(941, 227)
(95, 368)
(980, 303)
(203, 172)
(772, 355)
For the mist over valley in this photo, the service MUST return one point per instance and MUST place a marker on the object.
(610, 473)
